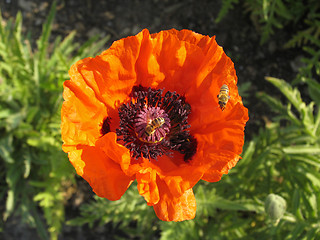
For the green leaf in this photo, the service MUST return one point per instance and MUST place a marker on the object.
(41, 141)
(5, 113)
(248, 153)
(308, 159)
(10, 204)
(274, 103)
(293, 95)
(296, 203)
(29, 207)
(256, 163)
(297, 231)
(27, 163)
(302, 149)
(14, 120)
(91, 47)
(6, 148)
(314, 179)
(227, 5)
(314, 89)
(310, 203)
(282, 10)
(46, 30)
(311, 235)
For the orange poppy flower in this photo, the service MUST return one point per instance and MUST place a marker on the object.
(151, 108)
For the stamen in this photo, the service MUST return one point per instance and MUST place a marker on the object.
(105, 128)
(152, 125)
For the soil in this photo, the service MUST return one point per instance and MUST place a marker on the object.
(236, 33)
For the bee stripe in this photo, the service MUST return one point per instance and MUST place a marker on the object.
(224, 89)
(223, 96)
(155, 123)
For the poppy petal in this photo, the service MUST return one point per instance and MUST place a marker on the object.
(114, 151)
(81, 114)
(104, 176)
(178, 61)
(147, 185)
(202, 95)
(220, 144)
(226, 134)
(182, 179)
(174, 171)
(171, 208)
(112, 74)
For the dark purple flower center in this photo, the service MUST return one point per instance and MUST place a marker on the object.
(152, 124)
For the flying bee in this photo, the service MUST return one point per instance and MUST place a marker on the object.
(153, 125)
(223, 96)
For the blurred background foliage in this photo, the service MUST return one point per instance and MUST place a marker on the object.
(282, 158)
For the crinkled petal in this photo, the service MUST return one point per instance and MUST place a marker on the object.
(182, 178)
(171, 208)
(147, 185)
(220, 145)
(178, 179)
(116, 152)
(214, 173)
(174, 171)
(218, 162)
(203, 95)
(178, 61)
(82, 113)
(112, 74)
(104, 176)
(226, 134)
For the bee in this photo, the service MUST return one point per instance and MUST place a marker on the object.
(153, 125)
(223, 96)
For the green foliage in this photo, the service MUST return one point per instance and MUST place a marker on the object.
(310, 34)
(271, 14)
(268, 15)
(131, 215)
(33, 166)
(309, 40)
(311, 68)
(289, 153)
(227, 5)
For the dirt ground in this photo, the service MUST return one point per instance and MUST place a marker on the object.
(120, 18)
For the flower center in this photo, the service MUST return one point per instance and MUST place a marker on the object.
(152, 124)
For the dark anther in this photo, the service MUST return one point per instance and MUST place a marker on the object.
(153, 124)
(190, 149)
(105, 128)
